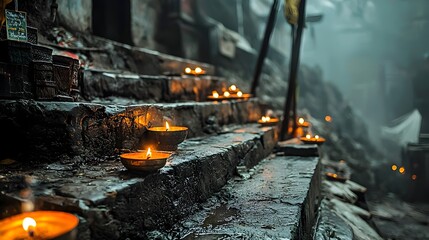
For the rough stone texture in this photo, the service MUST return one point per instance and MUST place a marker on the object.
(331, 226)
(49, 131)
(99, 84)
(279, 201)
(76, 15)
(116, 204)
(304, 150)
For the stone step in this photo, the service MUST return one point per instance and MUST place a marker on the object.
(278, 201)
(48, 131)
(99, 84)
(113, 203)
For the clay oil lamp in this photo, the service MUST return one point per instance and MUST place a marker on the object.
(266, 121)
(169, 137)
(40, 225)
(196, 72)
(335, 177)
(233, 92)
(145, 160)
(308, 139)
(302, 123)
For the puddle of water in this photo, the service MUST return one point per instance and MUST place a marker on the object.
(220, 216)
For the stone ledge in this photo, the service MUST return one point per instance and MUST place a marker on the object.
(48, 131)
(115, 203)
(279, 201)
(105, 84)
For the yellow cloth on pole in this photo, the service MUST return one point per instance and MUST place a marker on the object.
(291, 11)
(3, 4)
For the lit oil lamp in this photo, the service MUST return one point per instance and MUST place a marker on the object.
(335, 177)
(169, 137)
(40, 225)
(308, 139)
(144, 161)
(303, 123)
(215, 94)
(267, 121)
(197, 71)
(233, 92)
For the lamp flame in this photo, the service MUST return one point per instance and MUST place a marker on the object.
(239, 93)
(148, 153)
(301, 120)
(188, 70)
(308, 136)
(233, 88)
(198, 70)
(167, 126)
(316, 137)
(265, 119)
(27, 223)
(215, 94)
(226, 94)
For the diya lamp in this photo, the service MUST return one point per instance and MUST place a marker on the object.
(169, 137)
(302, 123)
(40, 225)
(308, 139)
(144, 161)
(197, 71)
(233, 92)
(267, 121)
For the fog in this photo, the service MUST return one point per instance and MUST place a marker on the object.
(372, 51)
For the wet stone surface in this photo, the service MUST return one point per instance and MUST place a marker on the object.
(272, 204)
(115, 203)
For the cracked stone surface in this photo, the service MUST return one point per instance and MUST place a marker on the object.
(278, 201)
(115, 203)
(48, 131)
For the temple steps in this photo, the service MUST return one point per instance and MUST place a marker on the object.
(114, 203)
(114, 85)
(51, 131)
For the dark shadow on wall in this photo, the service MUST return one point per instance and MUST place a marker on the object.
(112, 19)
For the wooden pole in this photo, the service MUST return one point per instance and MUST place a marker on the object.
(264, 46)
(296, 45)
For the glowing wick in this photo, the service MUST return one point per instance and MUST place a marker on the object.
(239, 93)
(401, 170)
(316, 137)
(394, 167)
(226, 94)
(265, 119)
(29, 224)
(148, 154)
(167, 127)
(301, 120)
(308, 136)
(233, 88)
(198, 70)
(215, 94)
(188, 70)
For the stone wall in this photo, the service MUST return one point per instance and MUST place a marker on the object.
(76, 14)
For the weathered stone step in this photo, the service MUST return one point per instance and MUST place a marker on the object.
(279, 201)
(108, 84)
(49, 131)
(114, 203)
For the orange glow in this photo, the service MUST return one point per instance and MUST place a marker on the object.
(402, 170)
(414, 177)
(233, 88)
(328, 118)
(226, 94)
(301, 120)
(148, 154)
(167, 126)
(198, 70)
(308, 136)
(265, 119)
(215, 94)
(316, 137)
(188, 70)
(239, 93)
(28, 223)
(394, 167)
